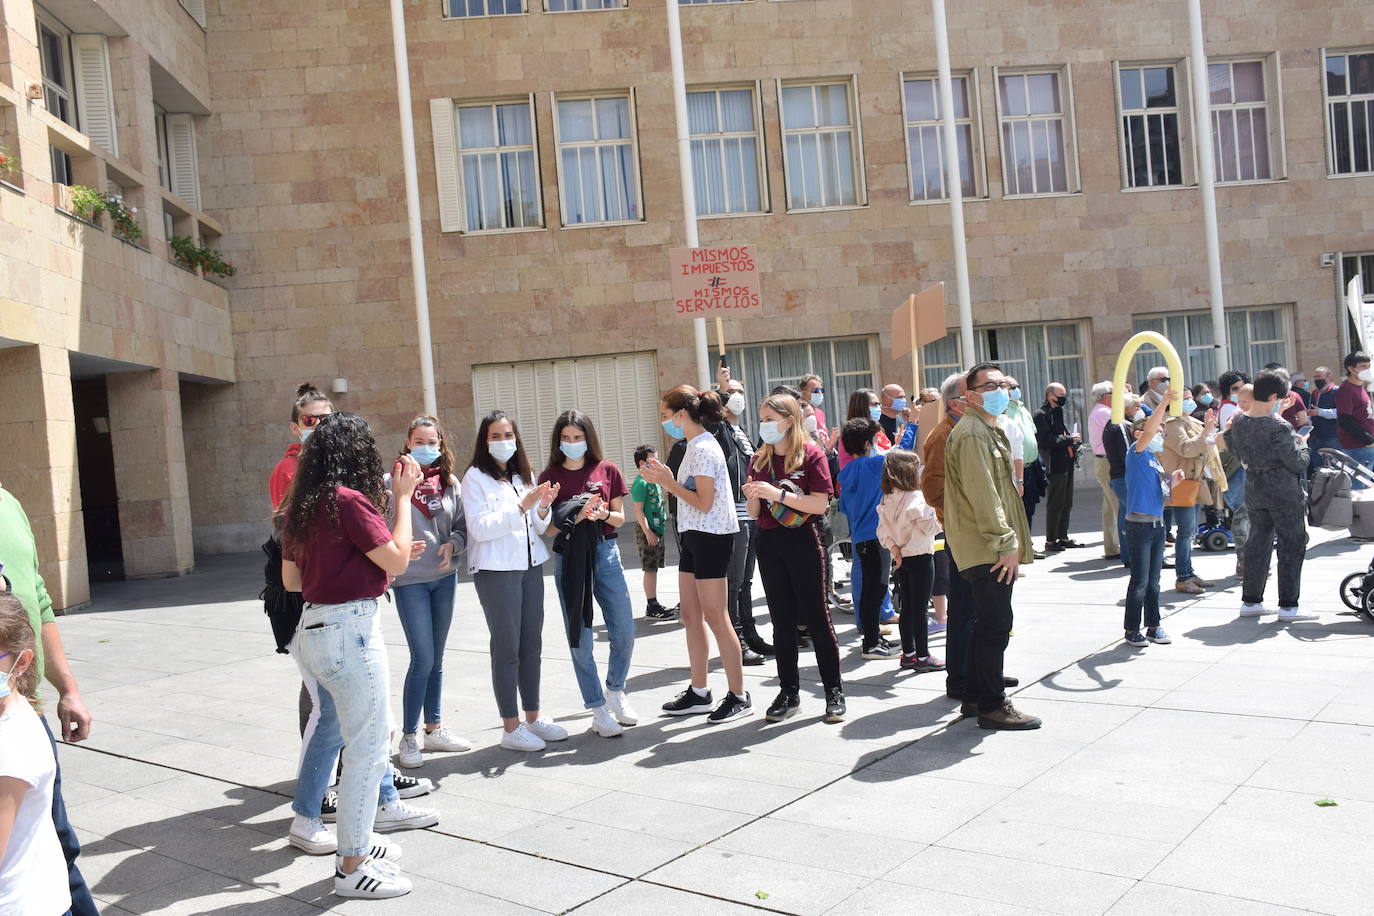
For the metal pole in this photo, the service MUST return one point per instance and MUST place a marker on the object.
(417, 240)
(1202, 130)
(954, 184)
(684, 163)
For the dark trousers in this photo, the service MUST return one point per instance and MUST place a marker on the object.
(1144, 547)
(915, 577)
(874, 563)
(792, 565)
(82, 904)
(960, 613)
(1286, 520)
(991, 633)
(1031, 489)
(1058, 506)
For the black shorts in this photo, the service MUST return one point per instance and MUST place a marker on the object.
(705, 556)
(941, 583)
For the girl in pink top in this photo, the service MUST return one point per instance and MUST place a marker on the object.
(907, 527)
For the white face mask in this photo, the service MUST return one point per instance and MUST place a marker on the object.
(735, 404)
(809, 424)
(1367, 375)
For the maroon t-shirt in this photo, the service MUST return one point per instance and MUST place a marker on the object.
(812, 477)
(1353, 400)
(333, 561)
(604, 478)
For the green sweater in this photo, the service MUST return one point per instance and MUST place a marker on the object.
(19, 555)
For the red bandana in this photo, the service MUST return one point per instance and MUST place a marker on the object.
(429, 495)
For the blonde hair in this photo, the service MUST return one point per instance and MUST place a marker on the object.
(793, 444)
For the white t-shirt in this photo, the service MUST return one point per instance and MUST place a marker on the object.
(1016, 437)
(705, 459)
(33, 871)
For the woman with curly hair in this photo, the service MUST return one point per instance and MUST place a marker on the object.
(338, 552)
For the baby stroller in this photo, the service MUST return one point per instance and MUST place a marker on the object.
(1215, 531)
(1333, 503)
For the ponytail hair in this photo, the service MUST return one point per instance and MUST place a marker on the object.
(704, 407)
(307, 393)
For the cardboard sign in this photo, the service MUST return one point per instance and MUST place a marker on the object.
(715, 280)
(928, 324)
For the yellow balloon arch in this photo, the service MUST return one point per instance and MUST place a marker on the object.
(1123, 364)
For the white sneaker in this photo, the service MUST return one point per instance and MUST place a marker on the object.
(382, 850)
(400, 816)
(604, 724)
(522, 739)
(1255, 610)
(620, 707)
(371, 880)
(409, 756)
(311, 836)
(1290, 614)
(441, 739)
(547, 729)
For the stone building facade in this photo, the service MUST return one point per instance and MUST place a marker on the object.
(549, 188)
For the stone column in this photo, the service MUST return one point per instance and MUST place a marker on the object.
(38, 464)
(150, 473)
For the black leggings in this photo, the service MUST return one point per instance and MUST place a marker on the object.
(874, 561)
(792, 567)
(915, 577)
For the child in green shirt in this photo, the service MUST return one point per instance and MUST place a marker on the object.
(648, 500)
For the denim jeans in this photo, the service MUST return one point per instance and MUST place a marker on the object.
(1118, 485)
(82, 904)
(321, 743)
(614, 600)
(1185, 517)
(1364, 456)
(426, 610)
(1314, 447)
(1145, 546)
(341, 645)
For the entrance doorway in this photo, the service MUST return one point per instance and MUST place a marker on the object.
(95, 468)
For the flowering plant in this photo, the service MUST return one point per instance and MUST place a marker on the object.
(190, 255)
(9, 163)
(89, 203)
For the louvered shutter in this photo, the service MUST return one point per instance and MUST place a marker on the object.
(181, 156)
(446, 165)
(94, 90)
(197, 10)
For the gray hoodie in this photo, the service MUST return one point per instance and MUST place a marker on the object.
(447, 527)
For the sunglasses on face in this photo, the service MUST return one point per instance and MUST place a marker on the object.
(312, 419)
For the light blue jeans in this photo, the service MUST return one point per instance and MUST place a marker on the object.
(341, 645)
(426, 610)
(1363, 456)
(614, 599)
(1185, 517)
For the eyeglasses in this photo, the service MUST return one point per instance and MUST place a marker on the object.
(988, 386)
(312, 419)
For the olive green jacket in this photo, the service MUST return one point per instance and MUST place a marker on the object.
(984, 515)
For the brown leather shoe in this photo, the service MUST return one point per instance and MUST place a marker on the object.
(1008, 718)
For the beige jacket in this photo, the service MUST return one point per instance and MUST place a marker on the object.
(1186, 449)
(907, 524)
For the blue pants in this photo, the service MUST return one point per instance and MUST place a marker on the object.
(1314, 447)
(1364, 456)
(613, 597)
(82, 904)
(1145, 545)
(1118, 486)
(1185, 517)
(426, 610)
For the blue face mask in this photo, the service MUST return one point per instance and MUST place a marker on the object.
(425, 454)
(305, 433)
(875, 413)
(817, 399)
(1274, 407)
(1206, 399)
(1016, 395)
(5, 684)
(1189, 406)
(573, 450)
(899, 404)
(995, 402)
(673, 430)
(769, 432)
(1155, 445)
(502, 450)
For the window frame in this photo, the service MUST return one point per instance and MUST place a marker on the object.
(621, 4)
(1073, 180)
(738, 357)
(851, 83)
(1270, 74)
(1183, 92)
(534, 146)
(447, 6)
(761, 151)
(162, 146)
(1232, 312)
(1327, 132)
(46, 20)
(979, 159)
(1345, 319)
(629, 94)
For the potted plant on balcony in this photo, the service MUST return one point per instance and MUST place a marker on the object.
(191, 256)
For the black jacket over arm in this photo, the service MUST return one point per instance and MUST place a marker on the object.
(576, 543)
(1054, 440)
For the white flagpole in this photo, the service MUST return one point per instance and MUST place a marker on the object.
(684, 162)
(954, 184)
(1202, 130)
(417, 239)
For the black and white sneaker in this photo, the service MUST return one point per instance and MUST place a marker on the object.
(688, 703)
(657, 611)
(329, 807)
(382, 850)
(410, 787)
(373, 880)
(732, 707)
(880, 651)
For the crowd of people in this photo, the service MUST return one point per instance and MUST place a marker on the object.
(942, 516)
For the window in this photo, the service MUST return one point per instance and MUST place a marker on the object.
(597, 166)
(1257, 335)
(1356, 265)
(844, 365)
(61, 166)
(568, 6)
(458, 9)
(1037, 135)
(924, 148)
(1033, 354)
(727, 160)
(1350, 111)
(692, 2)
(1241, 125)
(499, 168)
(1150, 126)
(164, 172)
(55, 52)
(197, 10)
(821, 164)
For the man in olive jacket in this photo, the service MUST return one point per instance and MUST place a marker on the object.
(987, 533)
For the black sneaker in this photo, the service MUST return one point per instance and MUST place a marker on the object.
(750, 657)
(732, 707)
(409, 787)
(329, 807)
(688, 703)
(659, 612)
(834, 704)
(880, 651)
(784, 707)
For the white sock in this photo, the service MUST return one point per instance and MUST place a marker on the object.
(739, 696)
(701, 691)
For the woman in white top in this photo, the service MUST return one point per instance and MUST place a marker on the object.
(707, 523)
(505, 518)
(33, 871)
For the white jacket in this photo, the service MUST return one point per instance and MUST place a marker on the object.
(907, 525)
(500, 536)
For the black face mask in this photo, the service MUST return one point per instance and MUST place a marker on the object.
(1056, 401)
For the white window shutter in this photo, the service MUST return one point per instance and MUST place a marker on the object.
(94, 90)
(197, 10)
(446, 165)
(181, 155)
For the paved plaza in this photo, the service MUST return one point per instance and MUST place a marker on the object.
(1172, 779)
